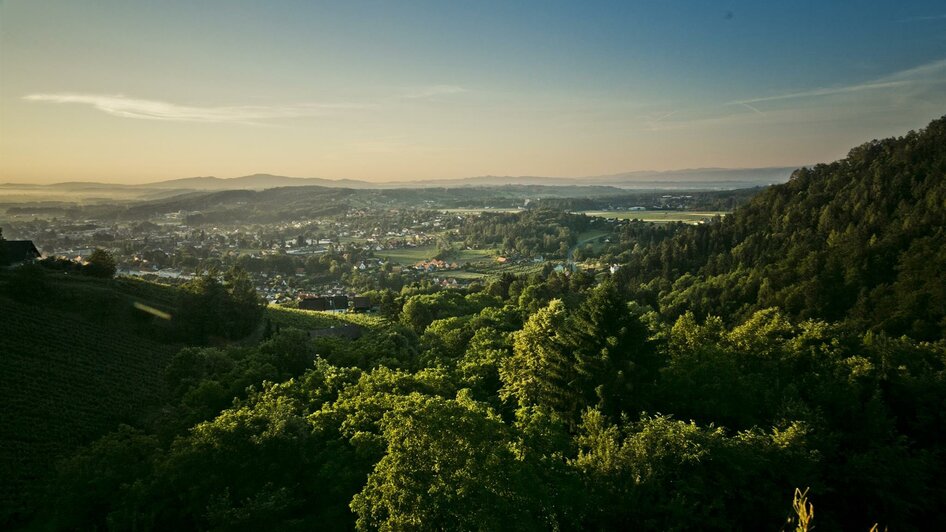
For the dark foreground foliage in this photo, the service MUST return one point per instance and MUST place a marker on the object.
(522, 430)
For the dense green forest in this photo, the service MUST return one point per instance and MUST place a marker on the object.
(861, 240)
(797, 343)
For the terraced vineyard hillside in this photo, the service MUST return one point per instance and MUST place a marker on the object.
(77, 361)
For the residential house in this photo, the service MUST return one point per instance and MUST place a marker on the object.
(330, 303)
(361, 303)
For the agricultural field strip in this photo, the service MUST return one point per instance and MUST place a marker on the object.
(656, 216)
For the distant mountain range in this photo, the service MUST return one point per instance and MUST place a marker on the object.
(256, 182)
(696, 179)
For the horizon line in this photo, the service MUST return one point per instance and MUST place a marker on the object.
(372, 182)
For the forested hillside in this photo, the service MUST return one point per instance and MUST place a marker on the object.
(861, 240)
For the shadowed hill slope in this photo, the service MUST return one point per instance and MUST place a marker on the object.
(77, 360)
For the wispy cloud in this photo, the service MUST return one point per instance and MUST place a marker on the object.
(918, 72)
(665, 116)
(916, 91)
(751, 107)
(828, 91)
(901, 79)
(434, 90)
(653, 120)
(923, 18)
(125, 107)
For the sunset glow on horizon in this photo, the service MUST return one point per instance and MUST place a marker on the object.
(132, 92)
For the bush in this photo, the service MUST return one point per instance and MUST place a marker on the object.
(101, 264)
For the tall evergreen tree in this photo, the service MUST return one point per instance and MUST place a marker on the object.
(613, 359)
(541, 371)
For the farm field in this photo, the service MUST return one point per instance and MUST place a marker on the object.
(473, 255)
(477, 210)
(408, 256)
(690, 217)
(461, 274)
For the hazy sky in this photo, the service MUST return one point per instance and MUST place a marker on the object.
(129, 91)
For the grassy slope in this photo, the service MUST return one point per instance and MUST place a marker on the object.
(313, 319)
(75, 364)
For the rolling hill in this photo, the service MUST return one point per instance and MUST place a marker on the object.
(691, 179)
(696, 178)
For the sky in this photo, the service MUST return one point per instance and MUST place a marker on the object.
(132, 92)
